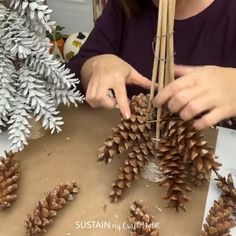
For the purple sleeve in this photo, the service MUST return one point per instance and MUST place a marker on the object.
(104, 38)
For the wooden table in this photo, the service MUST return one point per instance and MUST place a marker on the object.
(71, 155)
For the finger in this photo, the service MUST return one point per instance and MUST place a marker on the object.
(196, 107)
(104, 98)
(210, 119)
(171, 89)
(136, 78)
(184, 97)
(91, 93)
(122, 99)
(181, 70)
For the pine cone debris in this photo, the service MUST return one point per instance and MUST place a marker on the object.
(141, 222)
(9, 177)
(46, 210)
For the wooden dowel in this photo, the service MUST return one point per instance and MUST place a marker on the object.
(161, 74)
(167, 66)
(156, 53)
(163, 64)
(169, 75)
(171, 19)
(162, 58)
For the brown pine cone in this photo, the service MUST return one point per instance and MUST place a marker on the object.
(175, 177)
(46, 210)
(185, 156)
(228, 190)
(135, 137)
(128, 132)
(141, 221)
(9, 177)
(136, 159)
(191, 146)
(219, 221)
(192, 158)
(202, 165)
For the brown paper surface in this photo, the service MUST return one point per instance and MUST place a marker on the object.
(71, 155)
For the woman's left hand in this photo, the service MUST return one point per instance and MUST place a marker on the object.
(207, 90)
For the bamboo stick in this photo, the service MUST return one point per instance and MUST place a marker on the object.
(156, 52)
(162, 59)
(167, 66)
(163, 64)
(171, 19)
(161, 72)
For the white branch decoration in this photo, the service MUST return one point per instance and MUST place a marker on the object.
(32, 81)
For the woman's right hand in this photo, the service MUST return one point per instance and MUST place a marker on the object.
(109, 72)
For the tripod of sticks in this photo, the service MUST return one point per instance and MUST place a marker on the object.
(163, 66)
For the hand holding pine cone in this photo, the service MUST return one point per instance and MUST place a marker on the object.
(183, 153)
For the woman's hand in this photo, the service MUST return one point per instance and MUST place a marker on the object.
(109, 72)
(208, 91)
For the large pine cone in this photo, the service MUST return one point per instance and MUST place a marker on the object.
(135, 137)
(185, 156)
(183, 153)
(191, 146)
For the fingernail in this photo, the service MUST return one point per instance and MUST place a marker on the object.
(127, 116)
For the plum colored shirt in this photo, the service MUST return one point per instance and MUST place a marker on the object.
(208, 38)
